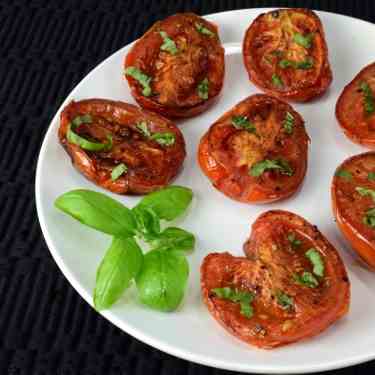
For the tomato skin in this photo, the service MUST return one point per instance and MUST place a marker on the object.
(235, 182)
(119, 119)
(361, 241)
(305, 89)
(263, 271)
(350, 113)
(145, 53)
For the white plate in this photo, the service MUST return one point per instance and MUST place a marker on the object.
(219, 223)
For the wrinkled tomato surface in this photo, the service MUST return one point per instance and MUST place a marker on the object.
(228, 153)
(286, 55)
(352, 203)
(150, 165)
(284, 310)
(355, 118)
(175, 77)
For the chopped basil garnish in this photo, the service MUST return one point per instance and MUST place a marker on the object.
(344, 174)
(296, 243)
(143, 79)
(83, 143)
(306, 279)
(316, 259)
(203, 30)
(168, 44)
(164, 139)
(368, 97)
(143, 128)
(276, 81)
(242, 122)
(306, 64)
(303, 40)
(203, 89)
(371, 176)
(118, 171)
(242, 297)
(369, 218)
(285, 301)
(279, 164)
(288, 123)
(364, 191)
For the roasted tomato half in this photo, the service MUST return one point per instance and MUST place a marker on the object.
(121, 147)
(257, 151)
(355, 109)
(353, 202)
(177, 67)
(286, 55)
(290, 286)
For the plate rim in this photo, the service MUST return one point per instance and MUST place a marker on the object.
(123, 325)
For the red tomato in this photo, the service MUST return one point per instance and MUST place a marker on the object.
(184, 60)
(293, 297)
(352, 203)
(355, 109)
(286, 55)
(150, 148)
(271, 132)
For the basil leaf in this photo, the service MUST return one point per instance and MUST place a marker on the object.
(98, 211)
(279, 164)
(306, 64)
(121, 263)
(288, 123)
(285, 301)
(303, 40)
(168, 44)
(143, 79)
(276, 81)
(203, 30)
(369, 218)
(164, 139)
(242, 122)
(296, 243)
(162, 281)
(344, 174)
(306, 279)
(175, 239)
(317, 261)
(118, 171)
(364, 191)
(148, 224)
(203, 89)
(84, 119)
(368, 97)
(143, 128)
(169, 202)
(371, 176)
(244, 298)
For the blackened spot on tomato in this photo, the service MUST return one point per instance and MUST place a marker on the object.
(345, 279)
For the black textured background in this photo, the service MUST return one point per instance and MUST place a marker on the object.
(46, 48)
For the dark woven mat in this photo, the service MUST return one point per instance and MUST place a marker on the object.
(46, 48)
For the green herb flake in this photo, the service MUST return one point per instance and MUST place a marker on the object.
(371, 176)
(203, 30)
(143, 128)
(276, 81)
(316, 259)
(295, 243)
(143, 79)
(242, 297)
(369, 218)
(242, 122)
(368, 98)
(304, 65)
(343, 173)
(203, 89)
(288, 123)
(279, 164)
(306, 279)
(164, 139)
(118, 171)
(364, 192)
(168, 44)
(303, 40)
(285, 301)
